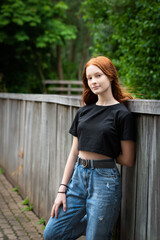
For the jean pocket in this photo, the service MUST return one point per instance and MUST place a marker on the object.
(105, 172)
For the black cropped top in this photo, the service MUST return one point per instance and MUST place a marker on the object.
(101, 128)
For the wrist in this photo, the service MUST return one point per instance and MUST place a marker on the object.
(61, 192)
(62, 188)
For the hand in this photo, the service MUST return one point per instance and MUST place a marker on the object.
(60, 199)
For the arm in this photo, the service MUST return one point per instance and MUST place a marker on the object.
(127, 155)
(61, 197)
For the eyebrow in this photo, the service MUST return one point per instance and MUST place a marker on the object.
(93, 74)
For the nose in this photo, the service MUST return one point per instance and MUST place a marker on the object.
(93, 81)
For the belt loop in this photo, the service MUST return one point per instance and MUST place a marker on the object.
(78, 159)
(92, 164)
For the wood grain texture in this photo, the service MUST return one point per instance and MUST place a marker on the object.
(35, 145)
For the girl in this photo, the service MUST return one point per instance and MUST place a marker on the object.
(103, 132)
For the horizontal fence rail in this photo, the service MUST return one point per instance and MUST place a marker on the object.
(34, 146)
(64, 86)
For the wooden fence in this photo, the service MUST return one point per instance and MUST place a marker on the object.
(34, 145)
(68, 87)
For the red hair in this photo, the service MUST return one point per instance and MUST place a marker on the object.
(107, 67)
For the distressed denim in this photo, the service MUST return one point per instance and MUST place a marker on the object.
(93, 203)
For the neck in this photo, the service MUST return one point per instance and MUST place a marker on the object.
(106, 99)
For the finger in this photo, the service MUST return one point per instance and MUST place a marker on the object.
(52, 212)
(56, 211)
(64, 206)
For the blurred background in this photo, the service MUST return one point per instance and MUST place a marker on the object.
(51, 40)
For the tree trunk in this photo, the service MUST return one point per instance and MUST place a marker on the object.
(59, 63)
(40, 71)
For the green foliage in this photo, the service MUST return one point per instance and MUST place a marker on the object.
(42, 221)
(137, 32)
(128, 32)
(15, 189)
(36, 21)
(43, 227)
(28, 208)
(96, 15)
(26, 201)
(28, 32)
(1, 171)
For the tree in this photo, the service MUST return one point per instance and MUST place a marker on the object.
(128, 32)
(28, 32)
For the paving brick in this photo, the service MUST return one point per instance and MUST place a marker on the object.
(8, 231)
(2, 221)
(15, 224)
(11, 235)
(12, 238)
(25, 238)
(5, 226)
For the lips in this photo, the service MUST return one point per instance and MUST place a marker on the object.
(95, 87)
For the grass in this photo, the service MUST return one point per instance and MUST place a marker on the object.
(28, 208)
(42, 221)
(15, 189)
(26, 201)
(1, 171)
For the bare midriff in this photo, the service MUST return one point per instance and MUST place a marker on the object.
(92, 155)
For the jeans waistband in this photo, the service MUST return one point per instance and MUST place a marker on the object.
(102, 163)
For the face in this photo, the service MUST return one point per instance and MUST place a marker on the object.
(98, 82)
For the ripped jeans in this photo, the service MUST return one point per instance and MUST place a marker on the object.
(93, 203)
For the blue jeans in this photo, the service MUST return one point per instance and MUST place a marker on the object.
(93, 203)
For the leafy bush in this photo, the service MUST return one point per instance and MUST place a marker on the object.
(128, 32)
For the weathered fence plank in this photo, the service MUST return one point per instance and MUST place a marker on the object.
(153, 221)
(35, 144)
(142, 182)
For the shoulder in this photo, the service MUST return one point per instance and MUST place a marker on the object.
(122, 109)
(85, 107)
(122, 112)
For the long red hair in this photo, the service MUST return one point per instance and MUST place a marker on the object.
(108, 68)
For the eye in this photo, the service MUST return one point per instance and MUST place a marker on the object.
(98, 75)
(89, 78)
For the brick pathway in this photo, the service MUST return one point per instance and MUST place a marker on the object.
(15, 224)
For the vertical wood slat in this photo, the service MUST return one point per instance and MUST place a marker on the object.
(20, 165)
(3, 145)
(143, 179)
(153, 221)
(35, 155)
(39, 129)
(52, 126)
(128, 202)
(44, 160)
(28, 149)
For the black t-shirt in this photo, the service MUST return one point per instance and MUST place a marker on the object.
(101, 128)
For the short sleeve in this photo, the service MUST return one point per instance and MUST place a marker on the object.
(127, 127)
(73, 128)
